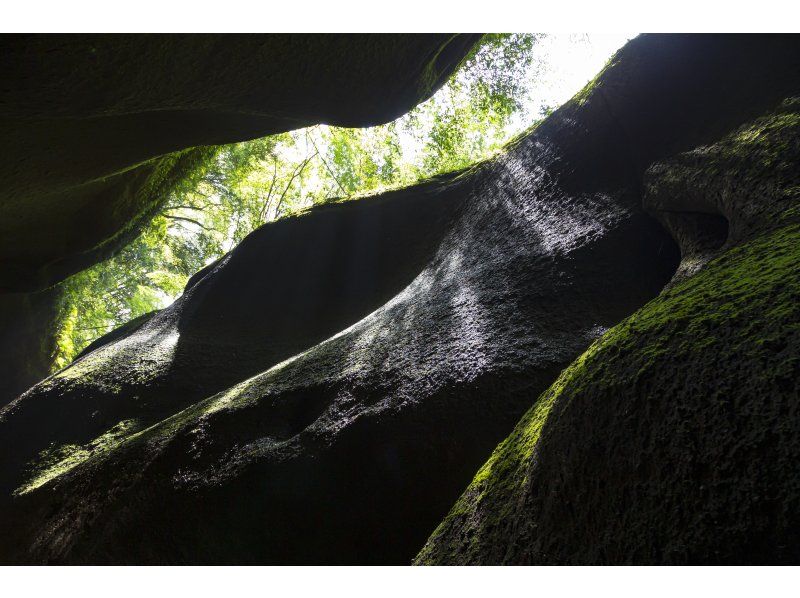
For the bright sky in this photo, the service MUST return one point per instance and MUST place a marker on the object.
(565, 63)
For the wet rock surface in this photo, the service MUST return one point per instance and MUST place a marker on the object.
(417, 337)
(675, 437)
(331, 408)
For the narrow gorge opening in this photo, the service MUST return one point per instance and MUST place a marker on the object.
(507, 84)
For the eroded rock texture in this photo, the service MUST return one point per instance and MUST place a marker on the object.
(675, 438)
(330, 406)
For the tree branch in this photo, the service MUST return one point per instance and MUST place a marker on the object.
(263, 213)
(328, 168)
(192, 220)
(183, 207)
(297, 172)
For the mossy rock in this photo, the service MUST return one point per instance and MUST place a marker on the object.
(675, 438)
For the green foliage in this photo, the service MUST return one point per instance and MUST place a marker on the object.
(245, 185)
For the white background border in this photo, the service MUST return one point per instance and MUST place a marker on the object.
(550, 16)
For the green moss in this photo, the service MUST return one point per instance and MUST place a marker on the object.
(732, 297)
(768, 144)
(592, 86)
(746, 278)
(56, 461)
(738, 311)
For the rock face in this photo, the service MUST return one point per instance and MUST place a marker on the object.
(27, 340)
(675, 438)
(330, 406)
(97, 129)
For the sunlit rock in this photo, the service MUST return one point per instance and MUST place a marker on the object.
(675, 438)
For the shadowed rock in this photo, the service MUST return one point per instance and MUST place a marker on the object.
(27, 340)
(97, 129)
(675, 438)
(330, 406)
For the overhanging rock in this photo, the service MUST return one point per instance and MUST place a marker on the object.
(97, 130)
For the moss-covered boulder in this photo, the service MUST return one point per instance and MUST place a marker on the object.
(96, 130)
(675, 438)
(331, 406)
